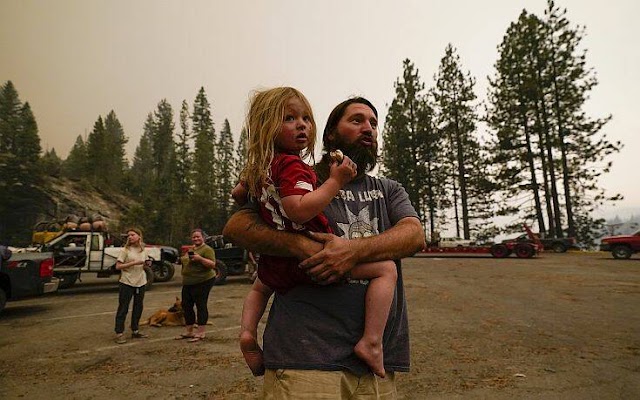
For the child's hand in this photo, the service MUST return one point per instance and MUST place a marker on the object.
(344, 171)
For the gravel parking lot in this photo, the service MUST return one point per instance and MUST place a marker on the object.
(559, 326)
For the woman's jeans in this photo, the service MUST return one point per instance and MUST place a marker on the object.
(126, 292)
(197, 295)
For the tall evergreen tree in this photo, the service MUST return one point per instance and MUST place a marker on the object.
(115, 161)
(579, 136)
(27, 142)
(141, 174)
(537, 112)
(457, 118)
(241, 154)
(411, 146)
(75, 165)
(204, 184)
(226, 179)
(19, 166)
(184, 185)
(184, 154)
(97, 152)
(51, 164)
(162, 225)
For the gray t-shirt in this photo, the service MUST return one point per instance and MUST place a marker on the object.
(316, 327)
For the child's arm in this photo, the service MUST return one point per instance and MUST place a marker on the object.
(302, 208)
(239, 194)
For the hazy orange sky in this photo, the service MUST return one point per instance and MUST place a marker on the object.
(76, 60)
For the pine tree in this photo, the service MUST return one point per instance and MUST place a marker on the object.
(115, 161)
(578, 135)
(184, 185)
(96, 152)
(226, 179)
(411, 146)
(183, 153)
(457, 118)
(204, 184)
(162, 225)
(27, 142)
(75, 165)
(536, 111)
(19, 166)
(51, 164)
(241, 154)
(141, 173)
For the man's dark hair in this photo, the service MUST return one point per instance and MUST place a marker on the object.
(338, 113)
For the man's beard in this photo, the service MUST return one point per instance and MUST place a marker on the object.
(365, 157)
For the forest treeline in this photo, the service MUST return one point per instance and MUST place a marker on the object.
(528, 153)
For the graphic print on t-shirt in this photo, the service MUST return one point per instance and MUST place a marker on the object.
(358, 226)
(353, 226)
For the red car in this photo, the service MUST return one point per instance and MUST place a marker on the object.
(622, 246)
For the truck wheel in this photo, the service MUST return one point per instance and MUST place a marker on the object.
(559, 248)
(499, 250)
(621, 252)
(163, 271)
(149, 273)
(222, 273)
(3, 299)
(67, 280)
(524, 251)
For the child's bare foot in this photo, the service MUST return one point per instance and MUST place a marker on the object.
(252, 353)
(371, 353)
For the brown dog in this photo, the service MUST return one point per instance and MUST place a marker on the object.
(174, 316)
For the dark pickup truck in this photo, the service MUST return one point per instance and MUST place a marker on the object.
(557, 245)
(25, 275)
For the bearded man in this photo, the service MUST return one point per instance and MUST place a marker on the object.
(312, 329)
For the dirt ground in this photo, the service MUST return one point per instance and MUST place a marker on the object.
(560, 326)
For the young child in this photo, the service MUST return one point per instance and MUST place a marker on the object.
(282, 132)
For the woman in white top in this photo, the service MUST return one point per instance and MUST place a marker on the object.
(131, 263)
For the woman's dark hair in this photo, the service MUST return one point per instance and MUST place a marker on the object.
(338, 113)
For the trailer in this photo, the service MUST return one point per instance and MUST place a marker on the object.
(498, 250)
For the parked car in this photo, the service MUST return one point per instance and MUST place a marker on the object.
(622, 246)
(455, 242)
(25, 275)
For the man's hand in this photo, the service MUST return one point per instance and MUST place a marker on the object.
(330, 264)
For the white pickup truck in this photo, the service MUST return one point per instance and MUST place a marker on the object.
(79, 252)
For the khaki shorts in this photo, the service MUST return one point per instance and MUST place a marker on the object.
(284, 384)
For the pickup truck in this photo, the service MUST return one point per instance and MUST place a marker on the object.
(80, 252)
(557, 245)
(25, 275)
(623, 246)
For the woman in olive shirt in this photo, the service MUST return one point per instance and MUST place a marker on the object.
(198, 276)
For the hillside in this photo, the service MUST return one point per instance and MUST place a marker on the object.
(57, 198)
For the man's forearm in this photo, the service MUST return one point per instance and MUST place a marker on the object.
(246, 229)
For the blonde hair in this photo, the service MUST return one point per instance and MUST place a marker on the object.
(263, 124)
(140, 243)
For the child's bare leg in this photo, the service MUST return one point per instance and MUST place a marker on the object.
(252, 353)
(383, 276)
(254, 306)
